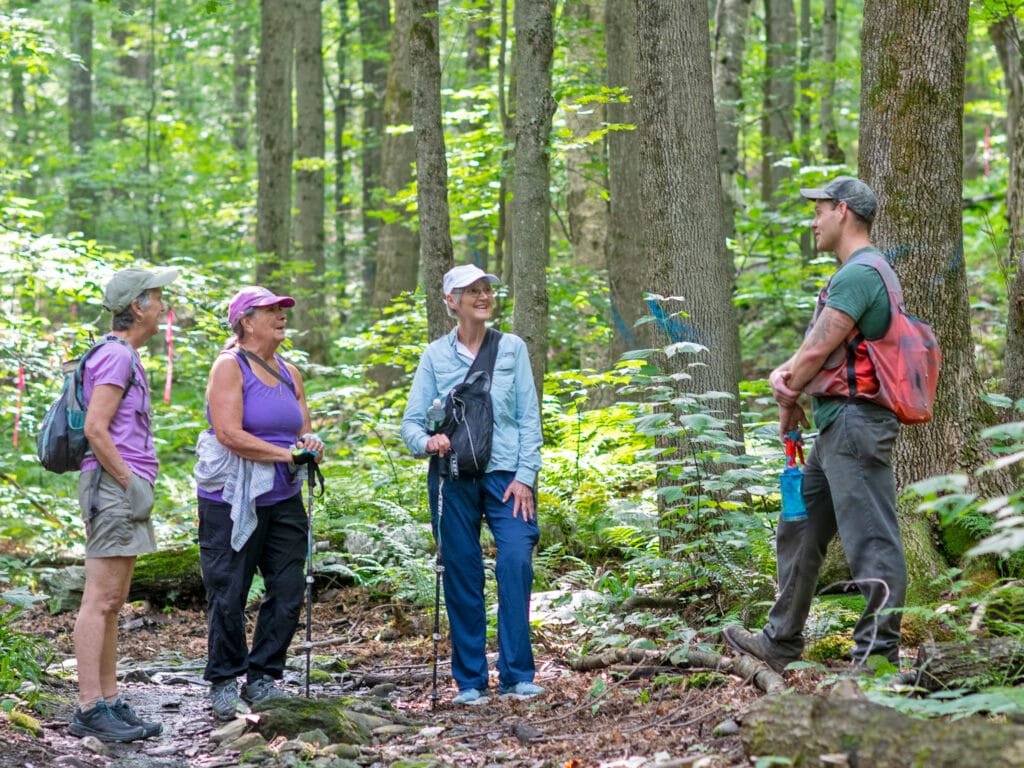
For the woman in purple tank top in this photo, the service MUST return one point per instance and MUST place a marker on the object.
(251, 515)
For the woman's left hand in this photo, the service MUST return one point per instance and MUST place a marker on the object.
(523, 499)
(313, 444)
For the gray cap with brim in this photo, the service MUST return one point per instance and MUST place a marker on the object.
(126, 285)
(845, 189)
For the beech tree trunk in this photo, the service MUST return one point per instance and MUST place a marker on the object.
(685, 254)
(531, 196)
(815, 732)
(912, 63)
(1006, 34)
(310, 313)
(274, 125)
(397, 244)
(624, 244)
(431, 163)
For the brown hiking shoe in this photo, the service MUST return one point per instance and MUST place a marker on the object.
(754, 644)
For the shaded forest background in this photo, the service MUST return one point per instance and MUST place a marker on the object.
(630, 169)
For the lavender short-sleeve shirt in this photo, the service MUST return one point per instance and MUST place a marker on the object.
(130, 427)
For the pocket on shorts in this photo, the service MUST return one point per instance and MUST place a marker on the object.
(140, 499)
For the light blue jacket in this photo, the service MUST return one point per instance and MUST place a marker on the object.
(517, 436)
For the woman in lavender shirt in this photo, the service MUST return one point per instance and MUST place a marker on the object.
(250, 502)
(115, 493)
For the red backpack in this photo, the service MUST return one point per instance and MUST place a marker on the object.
(899, 371)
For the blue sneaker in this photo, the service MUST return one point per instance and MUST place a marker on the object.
(471, 697)
(521, 690)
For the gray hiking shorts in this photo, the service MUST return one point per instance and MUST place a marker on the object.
(117, 520)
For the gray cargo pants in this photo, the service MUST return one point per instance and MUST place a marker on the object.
(848, 486)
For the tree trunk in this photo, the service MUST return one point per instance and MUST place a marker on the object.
(815, 732)
(832, 152)
(685, 255)
(310, 312)
(1006, 35)
(912, 62)
(585, 165)
(83, 208)
(397, 246)
(531, 196)
(431, 163)
(777, 132)
(584, 162)
(624, 243)
(374, 32)
(730, 41)
(274, 125)
(478, 73)
(342, 96)
(241, 84)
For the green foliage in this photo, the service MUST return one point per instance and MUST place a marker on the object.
(23, 656)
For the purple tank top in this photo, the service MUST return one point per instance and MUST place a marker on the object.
(271, 413)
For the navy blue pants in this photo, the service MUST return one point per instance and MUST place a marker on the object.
(278, 548)
(456, 528)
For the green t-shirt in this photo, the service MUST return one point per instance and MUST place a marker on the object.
(858, 291)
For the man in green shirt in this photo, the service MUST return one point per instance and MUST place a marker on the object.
(848, 483)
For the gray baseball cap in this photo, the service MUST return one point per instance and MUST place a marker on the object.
(845, 189)
(126, 285)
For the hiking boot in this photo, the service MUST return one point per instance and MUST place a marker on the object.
(102, 722)
(263, 689)
(472, 697)
(225, 702)
(124, 710)
(754, 644)
(521, 690)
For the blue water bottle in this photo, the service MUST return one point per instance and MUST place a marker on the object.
(792, 480)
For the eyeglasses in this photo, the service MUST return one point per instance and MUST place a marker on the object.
(486, 290)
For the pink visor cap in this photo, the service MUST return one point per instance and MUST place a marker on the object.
(254, 296)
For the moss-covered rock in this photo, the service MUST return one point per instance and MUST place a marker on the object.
(290, 717)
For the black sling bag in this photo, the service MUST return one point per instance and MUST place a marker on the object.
(469, 416)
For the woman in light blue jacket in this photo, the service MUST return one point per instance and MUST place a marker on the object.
(505, 495)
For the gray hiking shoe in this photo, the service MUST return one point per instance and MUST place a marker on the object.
(124, 710)
(263, 689)
(754, 644)
(101, 722)
(225, 702)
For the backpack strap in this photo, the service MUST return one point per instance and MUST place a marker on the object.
(262, 363)
(80, 370)
(487, 354)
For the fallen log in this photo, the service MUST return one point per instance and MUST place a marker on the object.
(165, 577)
(814, 732)
(752, 669)
(983, 662)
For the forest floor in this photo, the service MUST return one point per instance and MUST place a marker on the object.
(637, 723)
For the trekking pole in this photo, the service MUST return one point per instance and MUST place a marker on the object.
(438, 570)
(314, 474)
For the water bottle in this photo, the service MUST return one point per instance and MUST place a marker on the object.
(435, 416)
(792, 480)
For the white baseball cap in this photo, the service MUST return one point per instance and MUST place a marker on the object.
(464, 275)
